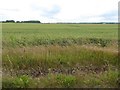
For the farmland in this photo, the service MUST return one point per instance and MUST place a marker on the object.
(59, 55)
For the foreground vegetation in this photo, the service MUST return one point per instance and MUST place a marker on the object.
(60, 55)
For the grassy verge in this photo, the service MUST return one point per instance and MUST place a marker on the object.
(104, 80)
(62, 66)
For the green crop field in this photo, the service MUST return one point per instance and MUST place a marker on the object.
(59, 55)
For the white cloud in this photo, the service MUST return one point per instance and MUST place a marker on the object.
(59, 10)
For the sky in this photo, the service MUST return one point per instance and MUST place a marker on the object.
(59, 10)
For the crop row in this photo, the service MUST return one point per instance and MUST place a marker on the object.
(62, 42)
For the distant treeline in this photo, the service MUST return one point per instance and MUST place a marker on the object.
(37, 21)
(12, 21)
(90, 23)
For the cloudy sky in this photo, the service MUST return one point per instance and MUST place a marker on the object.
(60, 10)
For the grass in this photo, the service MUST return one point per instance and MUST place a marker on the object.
(54, 55)
(63, 34)
(60, 55)
(104, 80)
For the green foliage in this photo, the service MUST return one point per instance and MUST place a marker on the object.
(23, 80)
(17, 82)
(99, 42)
(107, 79)
(66, 81)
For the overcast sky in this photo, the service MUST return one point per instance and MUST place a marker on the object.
(60, 10)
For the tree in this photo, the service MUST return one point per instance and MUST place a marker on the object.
(17, 21)
(10, 21)
(31, 21)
